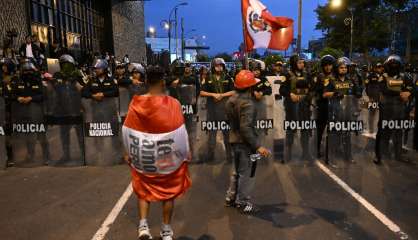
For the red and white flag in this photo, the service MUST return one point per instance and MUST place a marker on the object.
(263, 30)
(155, 137)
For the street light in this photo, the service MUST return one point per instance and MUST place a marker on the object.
(336, 3)
(151, 31)
(347, 21)
(175, 8)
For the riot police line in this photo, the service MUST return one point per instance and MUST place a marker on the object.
(73, 117)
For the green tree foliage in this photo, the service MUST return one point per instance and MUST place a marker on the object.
(271, 59)
(373, 23)
(331, 51)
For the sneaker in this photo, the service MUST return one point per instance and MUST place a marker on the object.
(229, 202)
(144, 233)
(167, 235)
(247, 207)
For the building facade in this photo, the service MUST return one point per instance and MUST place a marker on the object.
(81, 26)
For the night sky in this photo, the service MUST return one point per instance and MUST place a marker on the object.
(220, 20)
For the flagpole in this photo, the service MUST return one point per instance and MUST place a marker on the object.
(246, 64)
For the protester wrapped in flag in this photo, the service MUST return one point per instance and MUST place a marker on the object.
(158, 152)
(158, 149)
(262, 29)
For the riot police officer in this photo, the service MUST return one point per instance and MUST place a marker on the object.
(26, 95)
(297, 93)
(137, 80)
(67, 85)
(173, 80)
(396, 93)
(188, 89)
(100, 106)
(373, 85)
(241, 111)
(101, 85)
(217, 89)
(341, 93)
(327, 75)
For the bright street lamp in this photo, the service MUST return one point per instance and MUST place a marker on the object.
(336, 3)
(151, 30)
(347, 21)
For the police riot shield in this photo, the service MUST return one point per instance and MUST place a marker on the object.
(299, 127)
(213, 120)
(395, 130)
(65, 125)
(277, 113)
(126, 93)
(29, 143)
(3, 152)
(344, 129)
(188, 99)
(124, 100)
(101, 130)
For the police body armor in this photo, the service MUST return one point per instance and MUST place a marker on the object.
(30, 147)
(298, 121)
(344, 125)
(373, 90)
(393, 112)
(65, 131)
(101, 126)
(3, 152)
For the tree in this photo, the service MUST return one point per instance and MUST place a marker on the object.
(371, 25)
(376, 24)
(331, 51)
(271, 59)
(202, 58)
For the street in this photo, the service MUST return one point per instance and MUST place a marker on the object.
(297, 202)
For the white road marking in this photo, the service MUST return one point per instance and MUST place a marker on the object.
(110, 219)
(379, 215)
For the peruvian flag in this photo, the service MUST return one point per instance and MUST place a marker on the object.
(262, 29)
(156, 140)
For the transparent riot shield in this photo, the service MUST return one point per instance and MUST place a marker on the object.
(101, 129)
(299, 127)
(276, 111)
(188, 100)
(344, 130)
(3, 152)
(126, 93)
(65, 125)
(395, 130)
(124, 100)
(213, 120)
(29, 143)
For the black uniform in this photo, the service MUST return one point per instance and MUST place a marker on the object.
(216, 110)
(392, 108)
(29, 85)
(107, 86)
(342, 107)
(67, 110)
(298, 83)
(322, 106)
(373, 86)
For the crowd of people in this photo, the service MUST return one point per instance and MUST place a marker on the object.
(236, 96)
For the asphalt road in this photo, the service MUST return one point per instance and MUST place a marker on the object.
(297, 200)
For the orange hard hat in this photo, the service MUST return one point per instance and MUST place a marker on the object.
(245, 79)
